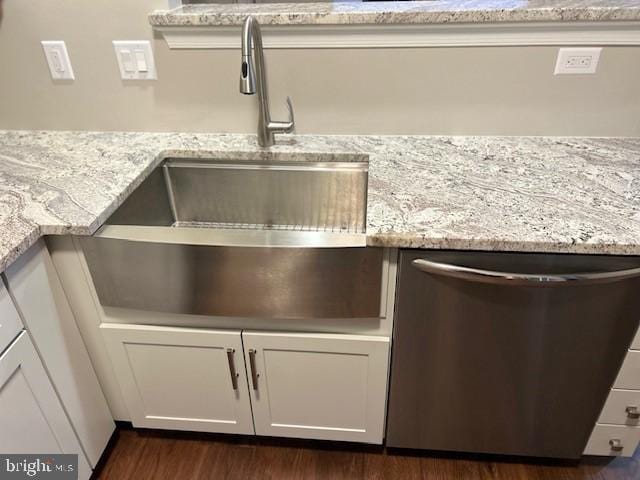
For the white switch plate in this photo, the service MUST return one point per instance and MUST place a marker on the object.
(58, 60)
(135, 59)
(573, 61)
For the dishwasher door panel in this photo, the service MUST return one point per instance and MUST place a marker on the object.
(494, 368)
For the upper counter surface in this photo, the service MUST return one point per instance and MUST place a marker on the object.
(542, 194)
(408, 12)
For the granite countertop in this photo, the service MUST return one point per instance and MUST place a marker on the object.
(408, 12)
(542, 194)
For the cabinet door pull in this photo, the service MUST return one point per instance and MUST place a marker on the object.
(632, 412)
(232, 368)
(254, 370)
(616, 445)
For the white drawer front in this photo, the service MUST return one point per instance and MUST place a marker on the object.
(602, 435)
(629, 376)
(635, 345)
(10, 323)
(615, 409)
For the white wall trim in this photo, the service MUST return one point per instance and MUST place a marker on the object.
(407, 36)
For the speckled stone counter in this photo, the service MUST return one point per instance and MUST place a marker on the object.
(419, 12)
(577, 195)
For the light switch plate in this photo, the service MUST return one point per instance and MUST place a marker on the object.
(135, 59)
(57, 58)
(573, 61)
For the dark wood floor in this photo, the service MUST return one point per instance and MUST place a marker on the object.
(143, 454)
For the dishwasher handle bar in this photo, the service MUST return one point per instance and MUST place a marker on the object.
(521, 279)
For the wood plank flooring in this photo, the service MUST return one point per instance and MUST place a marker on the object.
(155, 455)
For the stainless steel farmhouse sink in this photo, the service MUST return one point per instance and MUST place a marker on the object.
(245, 238)
(224, 202)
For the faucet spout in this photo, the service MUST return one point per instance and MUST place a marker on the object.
(253, 80)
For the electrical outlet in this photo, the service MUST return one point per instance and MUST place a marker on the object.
(577, 61)
(135, 60)
(58, 60)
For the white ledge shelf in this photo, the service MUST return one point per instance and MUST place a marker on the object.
(409, 35)
(432, 23)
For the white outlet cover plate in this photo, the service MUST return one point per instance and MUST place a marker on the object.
(579, 60)
(135, 59)
(55, 52)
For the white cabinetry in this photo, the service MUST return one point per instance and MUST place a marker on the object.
(39, 296)
(32, 419)
(324, 386)
(160, 370)
(318, 385)
(613, 440)
(178, 378)
(629, 376)
(622, 408)
(10, 324)
(635, 345)
(617, 431)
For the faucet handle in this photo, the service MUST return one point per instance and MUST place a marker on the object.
(290, 107)
(292, 119)
(284, 127)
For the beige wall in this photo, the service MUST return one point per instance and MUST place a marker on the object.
(507, 91)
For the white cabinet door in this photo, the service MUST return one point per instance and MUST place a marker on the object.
(32, 419)
(180, 378)
(323, 386)
(10, 323)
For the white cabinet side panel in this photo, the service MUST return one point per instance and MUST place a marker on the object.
(40, 298)
(76, 281)
(10, 323)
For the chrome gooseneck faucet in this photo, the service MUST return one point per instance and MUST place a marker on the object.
(253, 79)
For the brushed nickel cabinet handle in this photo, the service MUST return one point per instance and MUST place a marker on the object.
(616, 445)
(232, 367)
(632, 412)
(254, 370)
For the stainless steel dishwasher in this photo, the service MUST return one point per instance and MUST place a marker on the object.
(507, 353)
